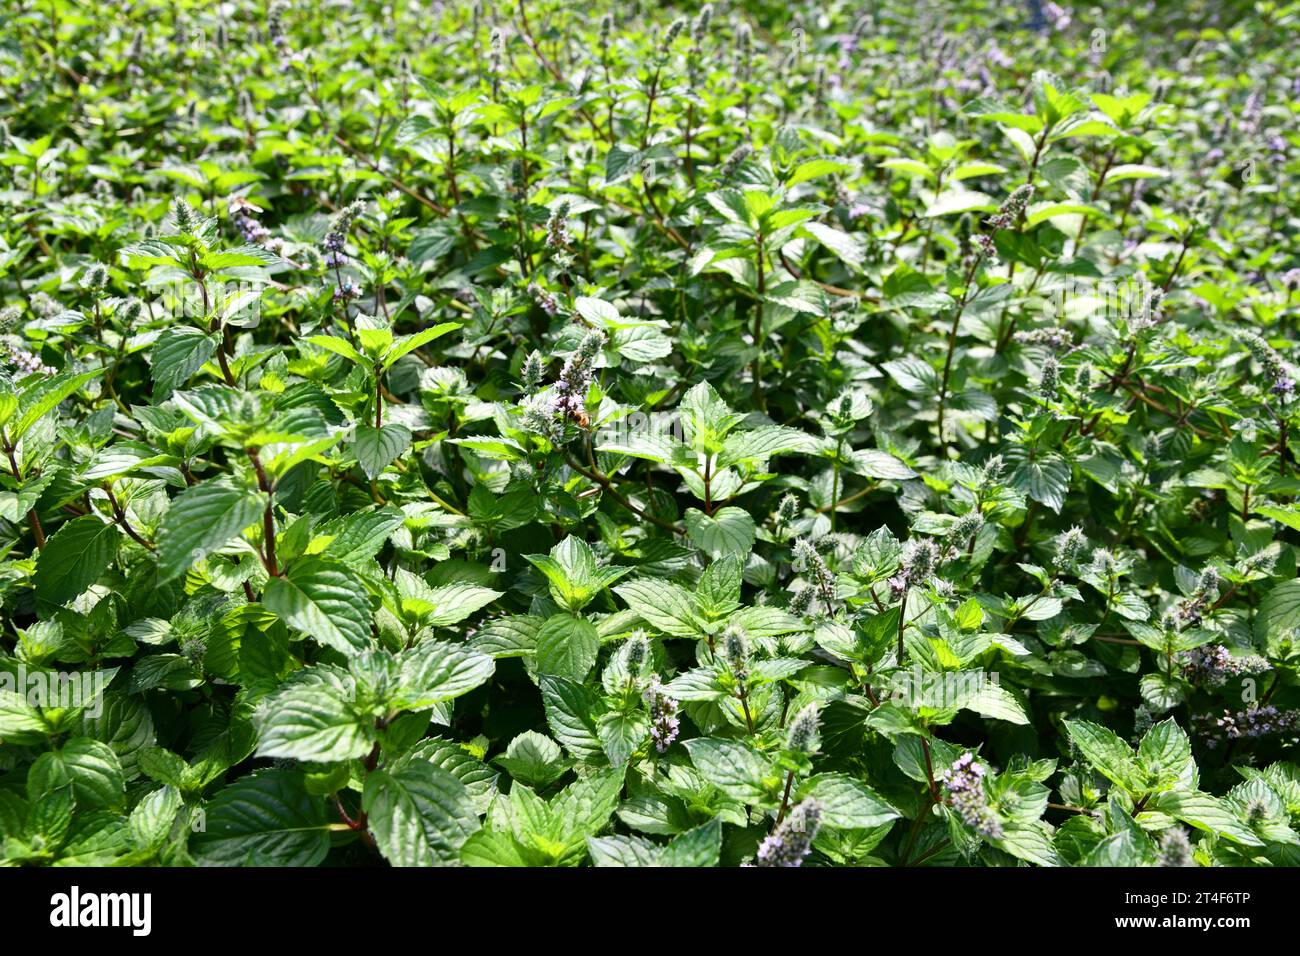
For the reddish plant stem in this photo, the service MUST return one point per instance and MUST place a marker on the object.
(33, 520)
(119, 515)
(268, 516)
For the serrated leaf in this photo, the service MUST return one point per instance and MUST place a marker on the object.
(324, 599)
(311, 717)
(419, 815)
(730, 530)
(90, 768)
(377, 448)
(847, 802)
(567, 646)
(39, 400)
(74, 558)
(265, 819)
(436, 671)
(733, 767)
(201, 520)
(663, 605)
(569, 713)
(1107, 753)
(177, 355)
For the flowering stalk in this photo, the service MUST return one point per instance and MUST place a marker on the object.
(33, 520)
(664, 724)
(791, 841)
(920, 558)
(735, 651)
(806, 555)
(967, 289)
(963, 785)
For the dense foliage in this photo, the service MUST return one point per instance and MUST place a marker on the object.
(522, 433)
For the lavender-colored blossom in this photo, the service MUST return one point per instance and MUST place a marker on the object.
(801, 601)
(791, 842)
(1051, 337)
(1252, 722)
(24, 362)
(95, 278)
(575, 378)
(1282, 384)
(802, 735)
(787, 510)
(1010, 211)
(1049, 378)
(985, 247)
(735, 650)
(337, 237)
(275, 26)
(1069, 548)
(1059, 17)
(532, 371)
(243, 215)
(806, 555)
(545, 300)
(557, 226)
(966, 527)
(963, 783)
(738, 156)
(858, 209)
(664, 724)
(1212, 664)
(920, 558)
(1175, 848)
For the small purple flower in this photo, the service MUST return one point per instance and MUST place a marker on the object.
(24, 362)
(243, 214)
(802, 735)
(557, 227)
(275, 26)
(575, 379)
(664, 724)
(1281, 382)
(1051, 337)
(336, 239)
(964, 784)
(1059, 17)
(792, 840)
(1212, 664)
(1009, 213)
(920, 558)
(1175, 848)
(801, 601)
(546, 301)
(808, 559)
(1250, 723)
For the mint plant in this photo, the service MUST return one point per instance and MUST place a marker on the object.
(539, 435)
